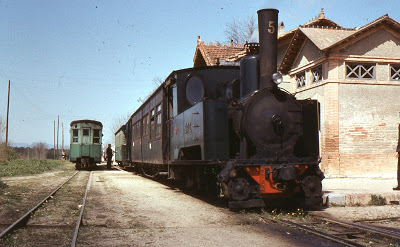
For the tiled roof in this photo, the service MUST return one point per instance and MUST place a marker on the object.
(327, 38)
(210, 54)
(324, 38)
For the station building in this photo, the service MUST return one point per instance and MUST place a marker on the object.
(354, 73)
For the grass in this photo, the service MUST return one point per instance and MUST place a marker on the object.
(377, 200)
(3, 186)
(21, 167)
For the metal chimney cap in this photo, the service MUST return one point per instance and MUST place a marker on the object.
(262, 10)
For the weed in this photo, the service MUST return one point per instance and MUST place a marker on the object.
(377, 200)
(295, 214)
(138, 225)
(3, 186)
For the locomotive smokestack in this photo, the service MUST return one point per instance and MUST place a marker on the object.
(267, 30)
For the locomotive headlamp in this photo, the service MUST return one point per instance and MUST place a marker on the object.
(277, 78)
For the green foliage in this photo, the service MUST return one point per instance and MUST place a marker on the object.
(27, 167)
(7, 153)
(377, 200)
(3, 186)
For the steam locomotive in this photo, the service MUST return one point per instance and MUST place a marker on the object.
(231, 129)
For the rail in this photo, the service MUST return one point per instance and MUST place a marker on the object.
(342, 230)
(79, 221)
(371, 229)
(24, 219)
(331, 237)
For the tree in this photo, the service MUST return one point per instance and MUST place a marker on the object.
(118, 121)
(157, 81)
(7, 153)
(40, 151)
(241, 31)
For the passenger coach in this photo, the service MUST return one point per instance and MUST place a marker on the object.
(85, 143)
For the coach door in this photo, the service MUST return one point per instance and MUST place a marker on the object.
(86, 142)
(175, 123)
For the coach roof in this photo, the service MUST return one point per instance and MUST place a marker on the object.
(86, 121)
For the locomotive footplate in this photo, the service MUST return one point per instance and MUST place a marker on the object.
(224, 174)
(252, 203)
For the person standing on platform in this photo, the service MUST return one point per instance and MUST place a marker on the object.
(109, 152)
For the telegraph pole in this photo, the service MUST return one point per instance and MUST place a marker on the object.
(62, 143)
(62, 136)
(58, 126)
(54, 149)
(8, 107)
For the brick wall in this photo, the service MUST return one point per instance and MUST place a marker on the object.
(374, 165)
(330, 137)
(368, 128)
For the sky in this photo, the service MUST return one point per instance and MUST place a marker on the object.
(97, 59)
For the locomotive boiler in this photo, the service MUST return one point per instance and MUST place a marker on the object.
(231, 130)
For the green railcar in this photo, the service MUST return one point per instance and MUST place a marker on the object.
(85, 143)
(120, 146)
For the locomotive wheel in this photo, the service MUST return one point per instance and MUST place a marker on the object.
(239, 189)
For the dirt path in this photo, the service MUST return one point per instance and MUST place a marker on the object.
(124, 209)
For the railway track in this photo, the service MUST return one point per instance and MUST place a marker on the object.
(41, 210)
(343, 232)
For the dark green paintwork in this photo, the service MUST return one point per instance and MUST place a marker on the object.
(203, 125)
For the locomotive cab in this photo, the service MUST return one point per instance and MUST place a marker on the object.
(197, 116)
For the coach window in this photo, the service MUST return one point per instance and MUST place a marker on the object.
(75, 136)
(85, 132)
(138, 129)
(96, 136)
(174, 101)
(152, 125)
(145, 125)
(133, 130)
(158, 118)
